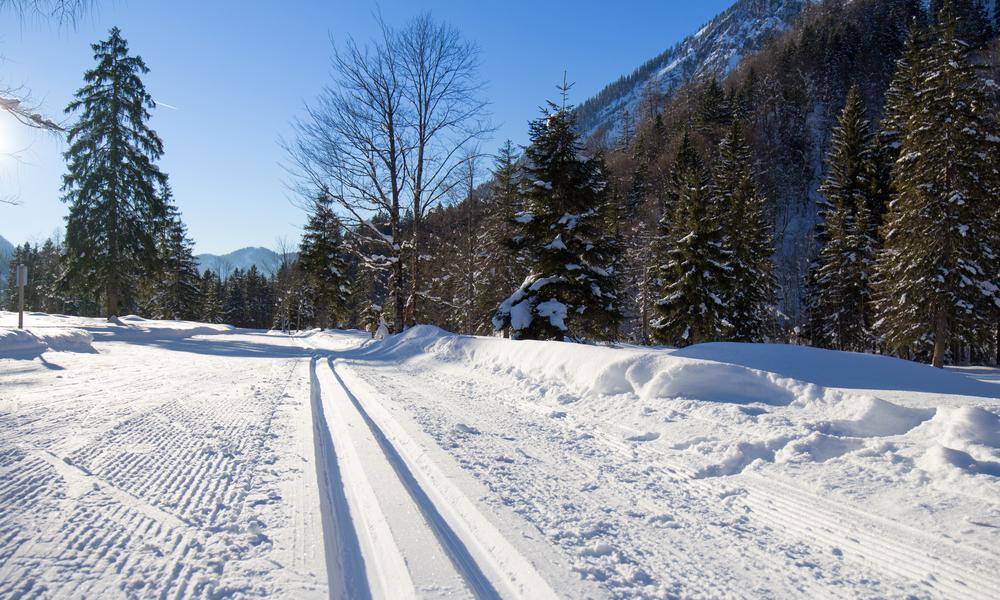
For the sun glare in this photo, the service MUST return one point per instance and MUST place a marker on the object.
(9, 138)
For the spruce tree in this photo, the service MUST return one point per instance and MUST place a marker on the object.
(747, 234)
(935, 276)
(324, 265)
(571, 287)
(293, 308)
(840, 293)
(211, 298)
(693, 261)
(900, 104)
(113, 187)
(176, 287)
(234, 304)
(500, 267)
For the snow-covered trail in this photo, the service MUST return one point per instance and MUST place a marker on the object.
(182, 461)
(411, 530)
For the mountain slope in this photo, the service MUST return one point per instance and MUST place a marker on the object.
(6, 251)
(715, 50)
(267, 261)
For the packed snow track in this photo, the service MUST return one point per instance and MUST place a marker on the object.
(152, 459)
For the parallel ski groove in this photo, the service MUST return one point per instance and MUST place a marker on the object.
(455, 548)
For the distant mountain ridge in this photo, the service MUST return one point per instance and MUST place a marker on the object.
(6, 251)
(714, 51)
(266, 260)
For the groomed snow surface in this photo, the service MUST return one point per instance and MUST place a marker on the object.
(155, 459)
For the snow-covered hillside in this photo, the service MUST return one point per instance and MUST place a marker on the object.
(165, 459)
(267, 261)
(6, 251)
(714, 50)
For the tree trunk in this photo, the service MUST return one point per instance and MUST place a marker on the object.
(111, 293)
(940, 339)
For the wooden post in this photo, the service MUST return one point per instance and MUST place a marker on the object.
(22, 280)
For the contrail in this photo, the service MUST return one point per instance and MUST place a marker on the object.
(164, 104)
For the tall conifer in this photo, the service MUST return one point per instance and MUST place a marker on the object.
(936, 272)
(113, 187)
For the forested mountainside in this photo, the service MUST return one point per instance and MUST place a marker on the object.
(714, 51)
(265, 259)
(787, 96)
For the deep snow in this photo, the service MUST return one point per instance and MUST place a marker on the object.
(154, 458)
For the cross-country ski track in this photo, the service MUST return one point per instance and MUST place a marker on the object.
(178, 460)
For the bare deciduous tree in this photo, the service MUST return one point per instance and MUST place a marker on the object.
(446, 112)
(390, 131)
(61, 11)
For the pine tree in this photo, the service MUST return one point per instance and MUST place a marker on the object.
(694, 271)
(747, 234)
(571, 288)
(840, 292)
(935, 276)
(324, 265)
(113, 186)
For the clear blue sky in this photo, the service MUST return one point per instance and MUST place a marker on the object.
(238, 73)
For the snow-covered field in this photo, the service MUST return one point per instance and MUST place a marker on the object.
(174, 460)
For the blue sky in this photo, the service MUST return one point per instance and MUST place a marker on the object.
(238, 73)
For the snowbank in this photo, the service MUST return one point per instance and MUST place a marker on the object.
(724, 408)
(165, 328)
(831, 368)
(599, 370)
(17, 343)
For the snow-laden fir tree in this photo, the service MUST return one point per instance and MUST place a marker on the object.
(113, 187)
(749, 303)
(324, 264)
(936, 273)
(175, 288)
(571, 288)
(694, 262)
(840, 293)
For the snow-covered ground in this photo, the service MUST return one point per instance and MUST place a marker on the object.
(164, 459)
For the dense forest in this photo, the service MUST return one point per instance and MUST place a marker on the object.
(837, 188)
